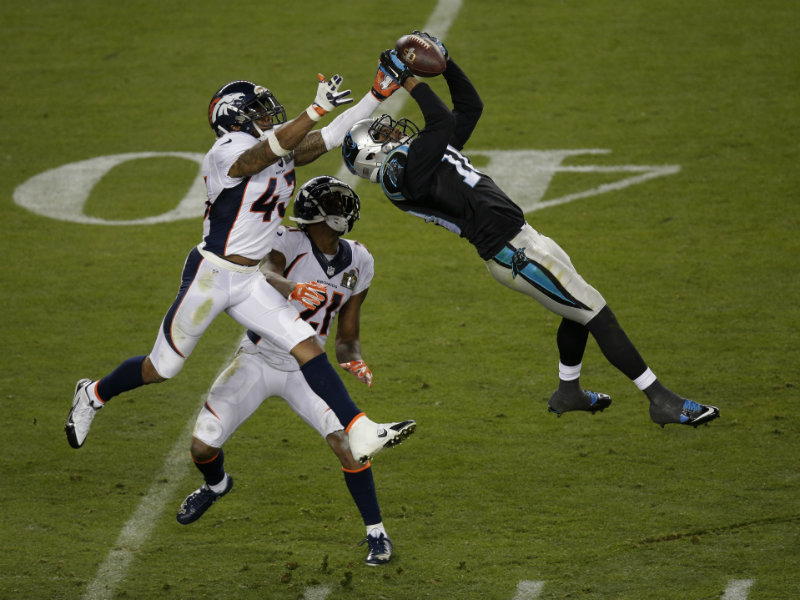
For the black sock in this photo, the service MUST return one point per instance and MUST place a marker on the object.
(213, 470)
(328, 385)
(362, 489)
(615, 345)
(571, 340)
(127, 376)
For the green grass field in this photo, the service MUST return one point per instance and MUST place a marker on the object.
(701, 267)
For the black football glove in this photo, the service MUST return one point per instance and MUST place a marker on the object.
(394, 67)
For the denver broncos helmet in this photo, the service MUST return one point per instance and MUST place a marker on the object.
(329, 200)
(242, 103)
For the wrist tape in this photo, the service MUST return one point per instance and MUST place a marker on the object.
(314, 113)
(275, 145)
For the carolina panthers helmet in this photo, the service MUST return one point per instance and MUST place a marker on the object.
(329, 200)
(369, 141)
(242, 103)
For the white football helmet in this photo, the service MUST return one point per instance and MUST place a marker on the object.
(369, 141)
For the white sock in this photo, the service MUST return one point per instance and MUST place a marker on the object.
(219, 487)
(91, 389)
(568, 373)
(645, 380)
(376, 530)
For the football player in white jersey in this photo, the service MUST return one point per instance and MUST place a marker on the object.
(250, 178)
(324, 209)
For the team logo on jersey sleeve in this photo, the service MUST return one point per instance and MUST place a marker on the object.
(349, 279)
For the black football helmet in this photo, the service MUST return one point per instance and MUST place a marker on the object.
(329, 200)
(243, 103)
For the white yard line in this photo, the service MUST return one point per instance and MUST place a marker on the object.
(317, 592)
(737, 589)
(138, 528)
(140, 525)
(529, 590)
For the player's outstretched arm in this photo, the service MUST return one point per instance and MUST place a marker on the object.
(277, 144)
(318, 142)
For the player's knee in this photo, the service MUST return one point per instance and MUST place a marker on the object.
(603, 320)
(306, 350)
(149, 372)
(208, 431)
(202, 452)
(166, 366)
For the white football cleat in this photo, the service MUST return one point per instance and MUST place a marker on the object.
(367, 438)
(80, 416)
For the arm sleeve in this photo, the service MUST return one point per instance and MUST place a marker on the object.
(467, 104)
(334, 132)
(427, 149)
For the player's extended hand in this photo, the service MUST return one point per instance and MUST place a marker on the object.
(309, 293)
(394, 67)
(384, 85)
(360, 369)
(328, 96)
(434, 39)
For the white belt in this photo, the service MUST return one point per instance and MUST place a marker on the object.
(225, 264)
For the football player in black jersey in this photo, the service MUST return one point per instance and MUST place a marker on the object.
(424, 173)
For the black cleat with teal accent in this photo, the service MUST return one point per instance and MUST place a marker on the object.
(682, 411)
(587, 401)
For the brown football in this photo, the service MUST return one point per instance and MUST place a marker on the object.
(422, 56)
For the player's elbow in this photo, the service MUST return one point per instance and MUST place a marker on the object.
(446, 120)
(474, 110)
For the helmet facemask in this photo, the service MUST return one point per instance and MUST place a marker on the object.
(390, 133)
(368, 143)
(239, 105)
(262, 106)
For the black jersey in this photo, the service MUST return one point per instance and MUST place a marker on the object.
(439, 184)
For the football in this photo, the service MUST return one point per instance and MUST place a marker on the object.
(422, 56)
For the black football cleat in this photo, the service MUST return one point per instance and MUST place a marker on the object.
(587, 401)
(199, 501)
(683, 412)
(380, 549)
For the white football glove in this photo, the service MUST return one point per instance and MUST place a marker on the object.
(328, 97)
